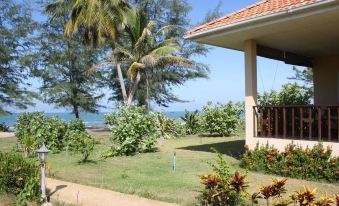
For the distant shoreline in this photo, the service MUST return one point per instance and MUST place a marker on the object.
(91, 120)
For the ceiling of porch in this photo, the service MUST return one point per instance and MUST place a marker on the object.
(311, 34)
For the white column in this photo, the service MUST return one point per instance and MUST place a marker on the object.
(250, 49)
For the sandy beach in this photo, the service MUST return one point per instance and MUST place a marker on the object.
(6, 134)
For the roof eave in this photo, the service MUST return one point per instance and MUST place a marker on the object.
(253, 21)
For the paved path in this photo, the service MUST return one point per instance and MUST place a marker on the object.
(90, 196)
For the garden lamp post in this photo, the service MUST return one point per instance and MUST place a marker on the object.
(42, 154)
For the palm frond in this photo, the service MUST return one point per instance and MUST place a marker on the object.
(135, 66)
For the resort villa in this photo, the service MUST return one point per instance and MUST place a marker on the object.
(297, 32)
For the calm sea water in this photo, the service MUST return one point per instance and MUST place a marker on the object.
(91, 120)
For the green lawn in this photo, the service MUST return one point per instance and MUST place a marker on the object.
(150, 175)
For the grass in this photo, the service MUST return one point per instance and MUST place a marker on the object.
(151, 176)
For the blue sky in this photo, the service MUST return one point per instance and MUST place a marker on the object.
(226, 80)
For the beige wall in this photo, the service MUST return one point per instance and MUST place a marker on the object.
(326, 71)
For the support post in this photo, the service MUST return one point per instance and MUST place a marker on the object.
(250, 49)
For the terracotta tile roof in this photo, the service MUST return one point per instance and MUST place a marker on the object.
(262, 8)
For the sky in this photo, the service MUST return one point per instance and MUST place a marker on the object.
(226, 78)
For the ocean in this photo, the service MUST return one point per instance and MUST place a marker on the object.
(90, 119)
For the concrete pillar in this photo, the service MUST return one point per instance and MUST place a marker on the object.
(250, 49)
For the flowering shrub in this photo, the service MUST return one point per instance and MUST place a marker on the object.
(132, 131)
(313, 164)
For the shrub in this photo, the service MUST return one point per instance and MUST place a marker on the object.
(221, 119)
(291, 94)
(76, 125)
(193, 124)
(221, 188)
(132, 131)
(19, 176)
(80, 142)
(34, 130)
(169, 128)
(4, 127)
(313, 164)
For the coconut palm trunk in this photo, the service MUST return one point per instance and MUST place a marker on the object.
(122, 83)
(134, 87)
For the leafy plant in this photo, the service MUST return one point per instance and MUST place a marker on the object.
(4, 127)
(314, 164)
(132, 131)
(34, 129)
(80, 142)
(192, 121)
(220, 165)
(291, 94)
(221, 187)
(221, 119)
(274, 190)
(19, 176)
(169, 128)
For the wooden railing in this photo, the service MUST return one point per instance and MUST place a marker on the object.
(297, 122)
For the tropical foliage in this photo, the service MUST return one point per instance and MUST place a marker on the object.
(193, 122)
(314, 164)
(35, 129)
(222, 119)
(132, 131)
(222, 188)
(170, 128)
(167, 21)
(4, 127)
(290, 94)
(19, 176)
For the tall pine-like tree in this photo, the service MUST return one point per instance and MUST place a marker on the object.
(16, 28)
(65, 66)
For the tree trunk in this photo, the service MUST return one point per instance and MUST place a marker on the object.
(147, 94)
(122, 83)
(134, 88)
(76, 111)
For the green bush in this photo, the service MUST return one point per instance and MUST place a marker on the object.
(222, 119)
(170, 128)
(312, 164)
(80, 142)
(4, 127)
(19, 176)
(34, 129)
(76, 125)
(193, 123)
(132, 131)
(290, 94)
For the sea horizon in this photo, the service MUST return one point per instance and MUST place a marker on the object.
(91, 120)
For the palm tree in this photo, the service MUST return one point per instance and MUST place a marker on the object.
(98, 20)
(147, 48)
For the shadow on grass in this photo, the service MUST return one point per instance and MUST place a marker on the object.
(233, 148)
